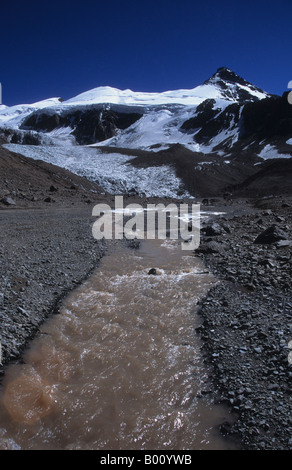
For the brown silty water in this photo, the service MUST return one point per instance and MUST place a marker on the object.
(120, 367)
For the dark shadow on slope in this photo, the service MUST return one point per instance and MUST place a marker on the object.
(201, 175)
(272, 177)
(35, 183)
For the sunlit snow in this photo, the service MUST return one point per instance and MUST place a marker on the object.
(128, 97)
(113, 172)
(13, 116)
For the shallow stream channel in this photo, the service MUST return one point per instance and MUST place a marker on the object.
(120, 367)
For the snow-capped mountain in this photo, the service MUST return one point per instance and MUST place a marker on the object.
(124, 118)
(225, 120)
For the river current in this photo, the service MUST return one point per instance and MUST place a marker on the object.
(121, 366)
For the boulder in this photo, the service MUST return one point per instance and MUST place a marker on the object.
(212, 230)
(152, 271)
(272, 234)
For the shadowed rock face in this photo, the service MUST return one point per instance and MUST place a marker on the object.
(231, 85)
(14, 136)
(90, 125)
(204, 114)
(210, 122)
(96, 126)
(44, 122)
(268, 118)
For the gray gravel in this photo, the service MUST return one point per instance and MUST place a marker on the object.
(247, 320)
(44, 253)
(246, 317)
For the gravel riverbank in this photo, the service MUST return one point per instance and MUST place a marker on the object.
(44, 254)
(47, 249)
(247, 318)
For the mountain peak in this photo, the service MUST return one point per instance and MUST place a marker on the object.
(229, 82)
(225, 70)
(227, 75)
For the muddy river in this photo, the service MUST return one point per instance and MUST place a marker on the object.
(121, 366)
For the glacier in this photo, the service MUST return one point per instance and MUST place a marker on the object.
(113, 172)
(155, 121)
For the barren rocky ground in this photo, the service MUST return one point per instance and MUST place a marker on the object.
(247, 318)
(47, 248)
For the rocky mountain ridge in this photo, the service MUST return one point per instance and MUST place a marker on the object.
(224, 135)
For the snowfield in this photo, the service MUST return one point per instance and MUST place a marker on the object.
(111, 95)
(13, 116)
(271, 152)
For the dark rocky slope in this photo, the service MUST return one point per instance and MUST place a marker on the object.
(247, 319)
(89, 124)
(256, 123)
(46, 244)
(31, 183)
(244, 174)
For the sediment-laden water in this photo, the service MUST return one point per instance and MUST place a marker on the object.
(120, 367)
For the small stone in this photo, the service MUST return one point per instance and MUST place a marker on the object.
(152, 271)
(284, 243)
(273, 387)
(8, 201)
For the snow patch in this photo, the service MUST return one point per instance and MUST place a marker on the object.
(271, 152)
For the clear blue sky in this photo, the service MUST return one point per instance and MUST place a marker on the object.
(62, 48)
